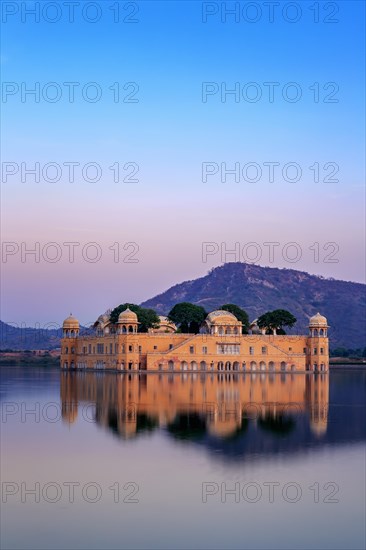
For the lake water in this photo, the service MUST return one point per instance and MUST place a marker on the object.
(187, 461)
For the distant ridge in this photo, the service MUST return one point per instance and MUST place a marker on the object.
(259, 289)
(256, 289)
(28, 338)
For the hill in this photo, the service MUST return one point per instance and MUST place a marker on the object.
(256, 289)
(26, 338)
(259, 289)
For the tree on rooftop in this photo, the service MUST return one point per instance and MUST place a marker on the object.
(274, 321)
(188, 317)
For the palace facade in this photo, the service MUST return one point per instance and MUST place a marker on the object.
(220, 346)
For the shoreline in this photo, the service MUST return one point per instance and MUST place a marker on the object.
(47, 358)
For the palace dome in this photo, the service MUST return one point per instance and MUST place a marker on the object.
(70, 323)
(318, 321)
(102, 320)
(253, 326)
(165, 323)
(127, 316)
(221, 316)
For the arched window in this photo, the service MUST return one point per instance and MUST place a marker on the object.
(321, 332)
(171, 365)
(253, 365)
(194, 365)
(203, 365)
(262, 365)
(283, 365)
(271, 366)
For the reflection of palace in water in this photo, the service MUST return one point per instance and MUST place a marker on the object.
(219, 404)
(220, 346)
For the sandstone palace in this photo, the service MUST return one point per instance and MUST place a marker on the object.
(220, 346)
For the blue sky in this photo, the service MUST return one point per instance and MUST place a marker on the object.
(169, 132)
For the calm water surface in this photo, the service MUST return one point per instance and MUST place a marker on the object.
(187, 461)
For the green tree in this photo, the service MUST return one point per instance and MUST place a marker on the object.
(240, 314)
(147, 318)
(274, 321)
(188, 317)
